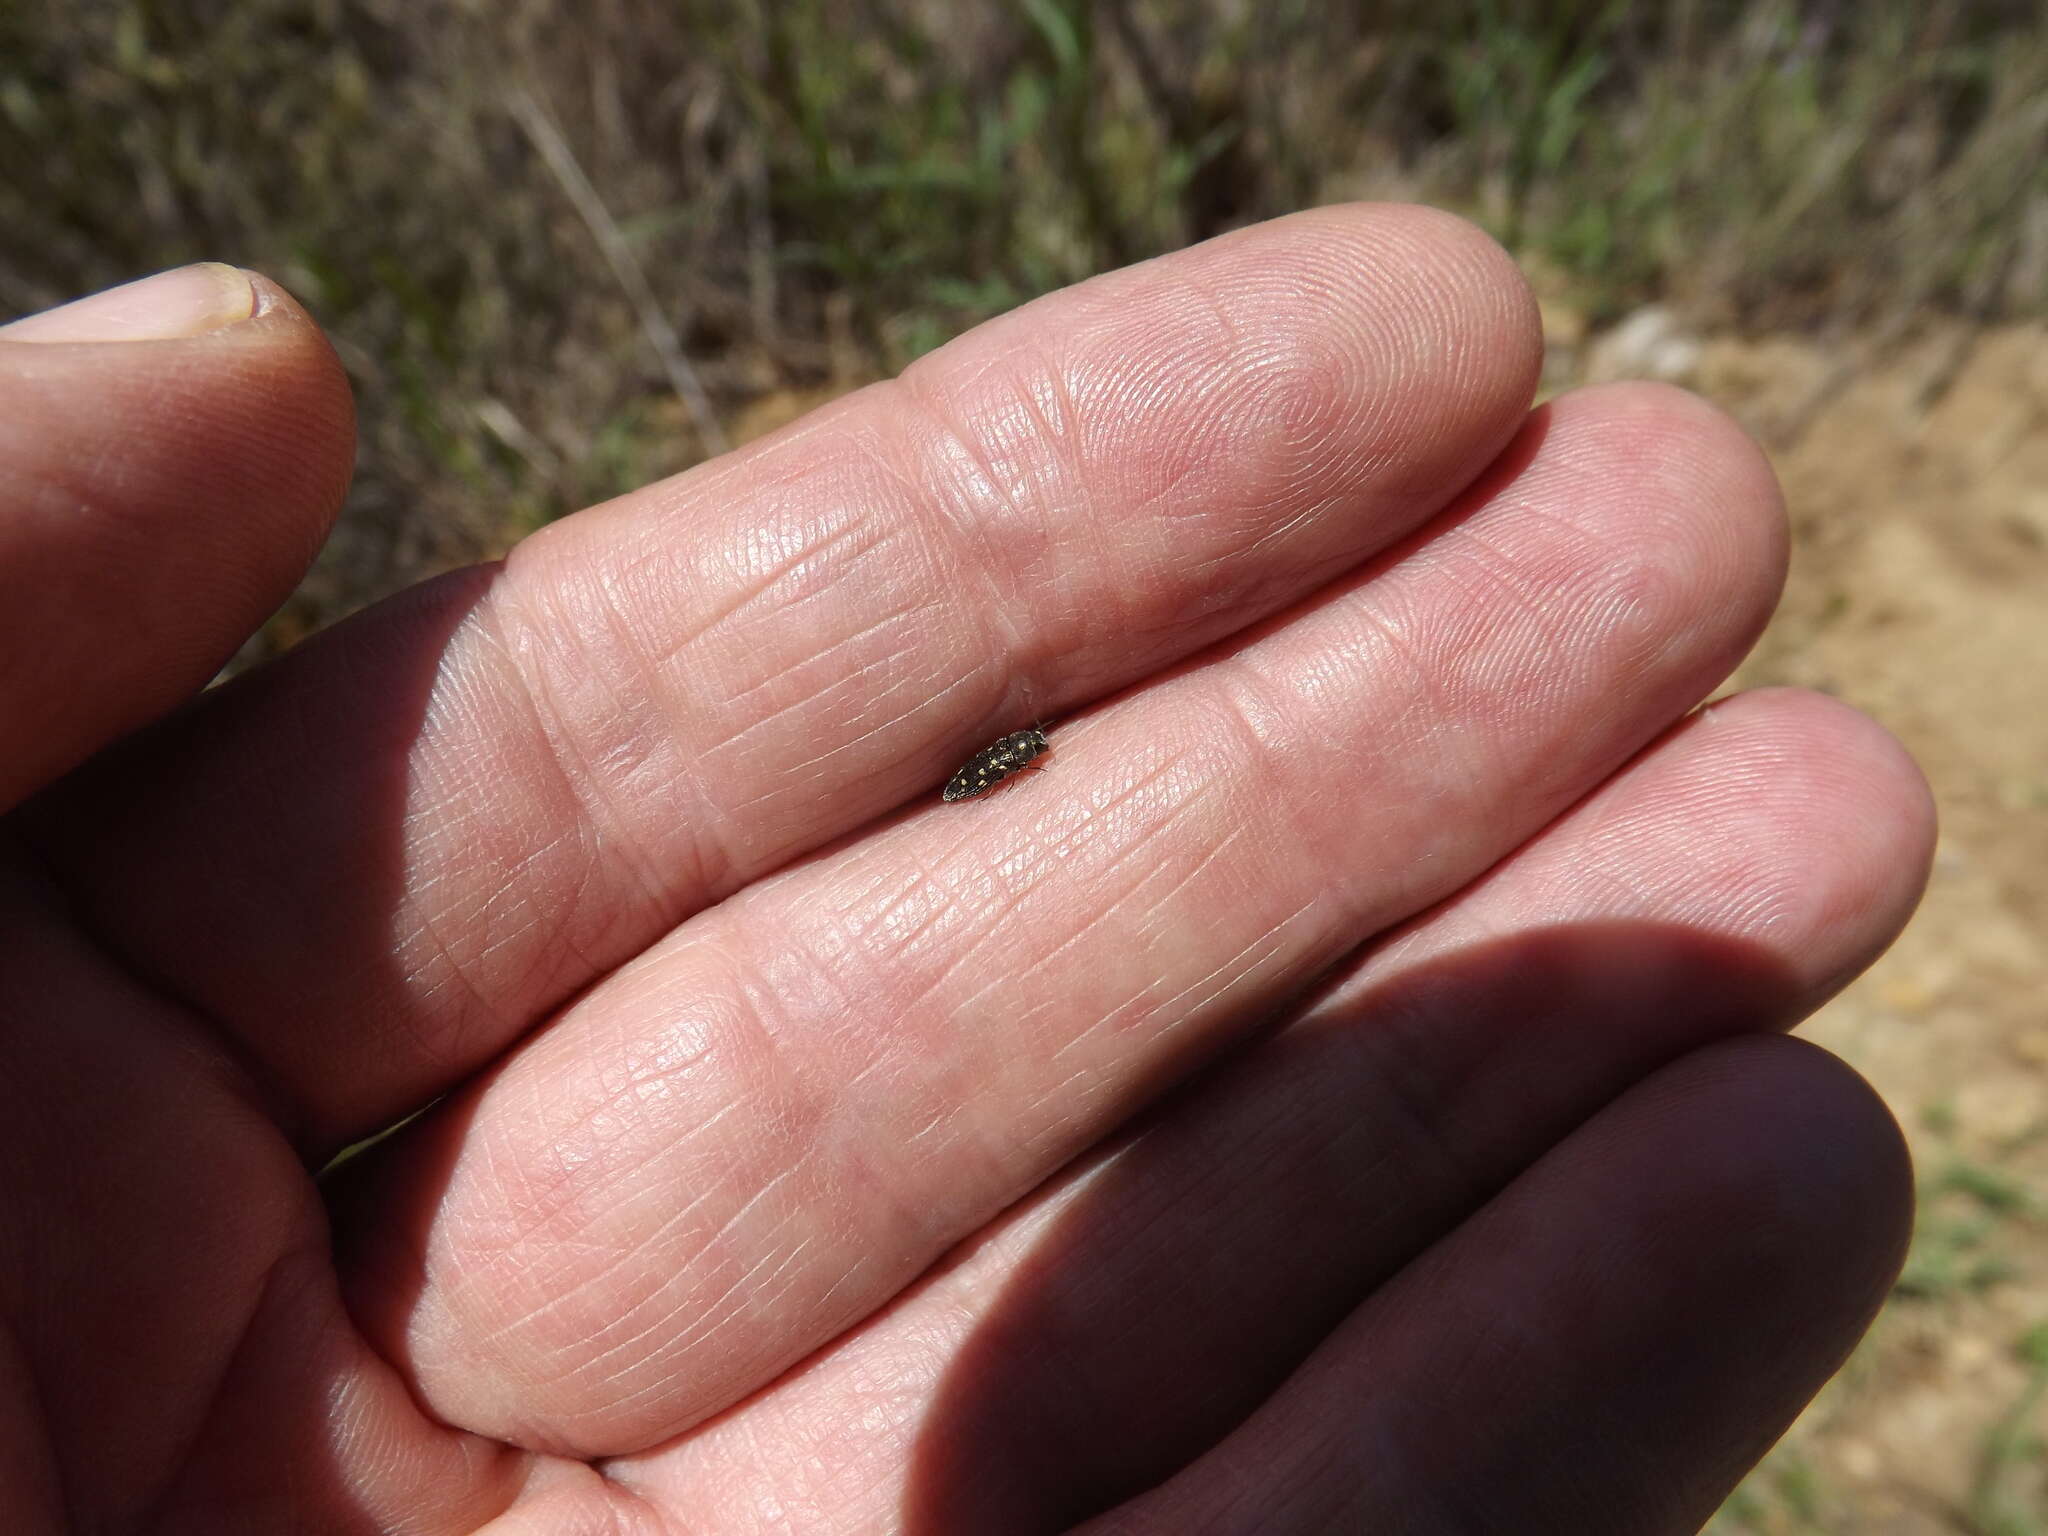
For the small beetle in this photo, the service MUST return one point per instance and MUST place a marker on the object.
(995, 763)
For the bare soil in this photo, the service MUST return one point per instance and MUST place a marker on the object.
(1918, 489)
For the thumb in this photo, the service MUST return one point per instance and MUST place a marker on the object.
(172, 452)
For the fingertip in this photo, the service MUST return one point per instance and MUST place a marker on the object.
(215, 372)
(172, 454)
(184, 301)
(1806, 1174)
(1425, 326)
(1476, 299)
(1685, 454)
(1678, 512)
(1839, 826)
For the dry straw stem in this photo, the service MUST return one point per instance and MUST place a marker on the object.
(540, 128)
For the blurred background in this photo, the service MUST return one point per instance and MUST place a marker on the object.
(565, 248)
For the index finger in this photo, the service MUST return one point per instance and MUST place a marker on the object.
(384, 859)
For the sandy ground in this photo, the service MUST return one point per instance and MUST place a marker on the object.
(1918, 488)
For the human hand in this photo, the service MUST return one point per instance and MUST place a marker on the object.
(1338, 1094)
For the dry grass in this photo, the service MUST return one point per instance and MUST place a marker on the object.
(816, 188)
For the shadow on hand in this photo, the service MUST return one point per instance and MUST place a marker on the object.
(1208, 1251)
(259, 1450)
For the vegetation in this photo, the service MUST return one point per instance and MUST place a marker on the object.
(817, 190)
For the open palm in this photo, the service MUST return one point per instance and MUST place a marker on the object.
(1336, 1094)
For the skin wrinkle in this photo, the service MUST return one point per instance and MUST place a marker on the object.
(750, 1292)
(1124, 1016)
(823, 660)
(758, 559)
(566, 1210)
(891, 725)
(1436, 705)
(718, 864)
(942, 1095)
(1305, 367)
(944, 572)
(527, 923)
(996, 983)
(1046, 474)
(735, 748)
(517, 1175)
(879, 1170)
(1265, 762)
(557, 1303)
(873, 1061)
(941, 1294)
(809, 658)
(967, 1008)
(425, 929)
(977, 873)
(1052, 404)
(442, 971)
(1495, 581)
(1186, 294)
(856, 1269)
(1164, 900)
(965, 954)
(590, 1146)
(818, 782)
(933, 912)
(706, 1061)
(1130, 855)
(962, 518)
(556, 1313)
(1239, 967)
(1286, 530)
(1145, 1006)
(709, 861)
(707, 1317)
(886, 1060)
(1181, 489)
(492, 627)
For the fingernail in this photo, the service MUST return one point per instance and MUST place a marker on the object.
(182, 302)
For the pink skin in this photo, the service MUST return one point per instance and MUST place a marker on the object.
(1338, 1098)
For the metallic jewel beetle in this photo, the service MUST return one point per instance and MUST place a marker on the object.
(995, 763)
